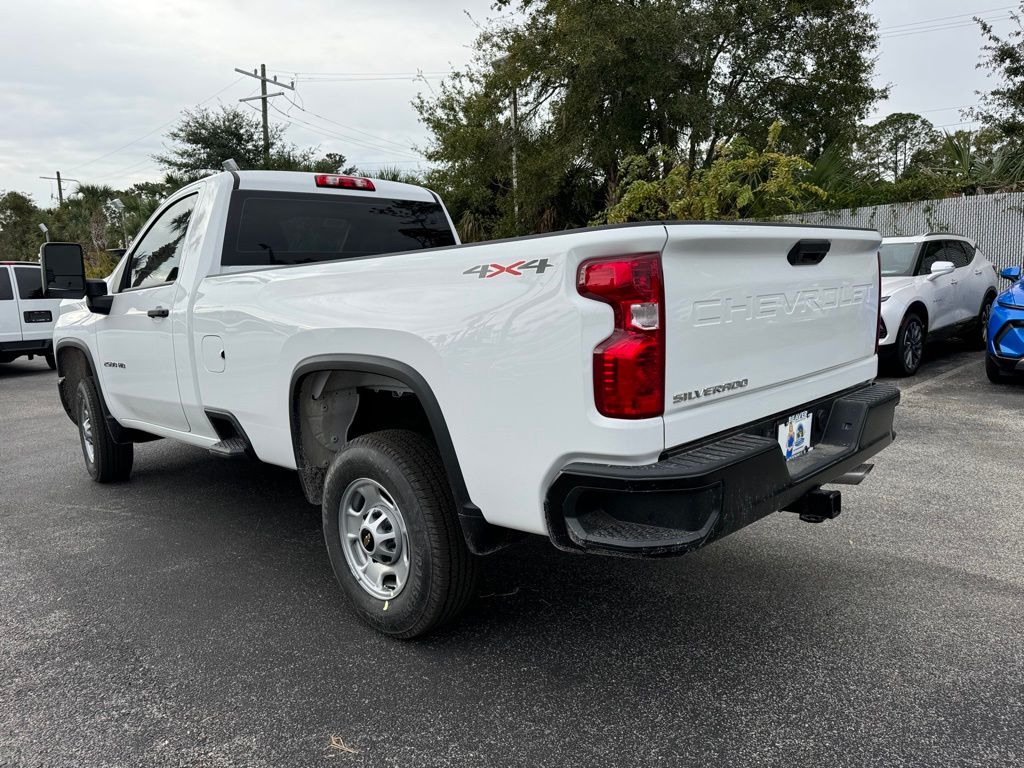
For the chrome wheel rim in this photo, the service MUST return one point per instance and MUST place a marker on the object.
(986, 313)
(374, 538)
(85, 425)
(913, 344)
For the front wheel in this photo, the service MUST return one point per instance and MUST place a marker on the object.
(910, 345)
(393, 536)
(105, 460)
(979, 340)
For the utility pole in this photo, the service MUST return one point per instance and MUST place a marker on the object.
(263, 97)
(515, 157)
(60, 186)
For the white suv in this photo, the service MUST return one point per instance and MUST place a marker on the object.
(933, 286)
(26, 317)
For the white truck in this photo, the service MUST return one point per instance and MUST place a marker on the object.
(635, 390)
(26, 318)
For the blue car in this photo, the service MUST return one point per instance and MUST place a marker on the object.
(1006, 331)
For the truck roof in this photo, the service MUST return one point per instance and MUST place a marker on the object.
(299, 181)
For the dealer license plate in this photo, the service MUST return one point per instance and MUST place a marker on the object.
(795, 435)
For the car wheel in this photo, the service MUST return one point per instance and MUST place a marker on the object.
(393, 536)
(910, 345)
(980, 338)
(51, 361)
(106, 460)
(993, 372)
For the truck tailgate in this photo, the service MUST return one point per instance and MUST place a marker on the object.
(757, 322)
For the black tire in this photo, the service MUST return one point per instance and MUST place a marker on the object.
(51, 361)
(993, 372)
(979, 335)
(109, 462)
(909, 347)
(442, 572)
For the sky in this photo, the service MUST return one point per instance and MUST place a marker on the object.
(89, 88)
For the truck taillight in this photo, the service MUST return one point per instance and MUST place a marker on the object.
(629, 365)
(344, 182)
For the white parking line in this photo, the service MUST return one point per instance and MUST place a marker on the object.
(941, 377)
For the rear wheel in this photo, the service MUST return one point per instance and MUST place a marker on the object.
(51, 361)
(392, 534)
(993, 372)
(910, 345)
(105, 460)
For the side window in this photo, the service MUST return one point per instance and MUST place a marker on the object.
(30, 282)
(968, 250)
(156, 257)
(932, 253)
(6, 294)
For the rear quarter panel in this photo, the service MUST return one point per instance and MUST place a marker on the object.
(509, 358)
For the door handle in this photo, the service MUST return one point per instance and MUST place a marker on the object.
(978, 271)
(159, 312)
(951, 282)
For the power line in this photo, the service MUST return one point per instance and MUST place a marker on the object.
(941, 27)
(328, 133)
(946, 18)
(150, 133)
(349, 127)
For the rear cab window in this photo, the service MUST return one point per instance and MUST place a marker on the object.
(273, 228)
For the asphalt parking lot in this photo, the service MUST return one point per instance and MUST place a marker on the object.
(190, 617)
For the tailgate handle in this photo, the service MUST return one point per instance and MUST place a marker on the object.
(808, 252)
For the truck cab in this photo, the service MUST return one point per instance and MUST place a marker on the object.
(26, 317)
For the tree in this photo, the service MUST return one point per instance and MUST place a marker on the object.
(596, 81)
(205, 138)
(1002, 108)
(740, 183)
(890, 145)
(19, 227)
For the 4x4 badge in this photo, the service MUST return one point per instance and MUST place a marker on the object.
(515, 269)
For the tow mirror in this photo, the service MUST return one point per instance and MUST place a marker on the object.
(63, 268)
(940, 268)
(1011, 273)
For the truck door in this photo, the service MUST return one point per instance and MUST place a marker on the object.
(37, 315)
(135, 343)
(10, 325)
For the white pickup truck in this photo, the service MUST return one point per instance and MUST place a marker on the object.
(635, 390)
(26, 318)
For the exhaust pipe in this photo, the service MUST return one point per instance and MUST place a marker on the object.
(854, 476)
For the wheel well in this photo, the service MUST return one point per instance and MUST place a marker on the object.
(72, 366)
(333, 407)
(918, 308)
(336, 398)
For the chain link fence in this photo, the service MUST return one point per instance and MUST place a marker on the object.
(995, 222)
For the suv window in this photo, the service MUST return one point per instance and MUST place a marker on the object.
(932, 253)
(30, 282)
(6, 294)
(968, 250)
(280, 228)
(155, 259)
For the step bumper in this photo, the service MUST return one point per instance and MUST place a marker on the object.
(699, 493)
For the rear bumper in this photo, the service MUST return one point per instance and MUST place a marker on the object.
(699, 493)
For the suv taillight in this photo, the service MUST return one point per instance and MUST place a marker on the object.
(629, 366)
(878, 318)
